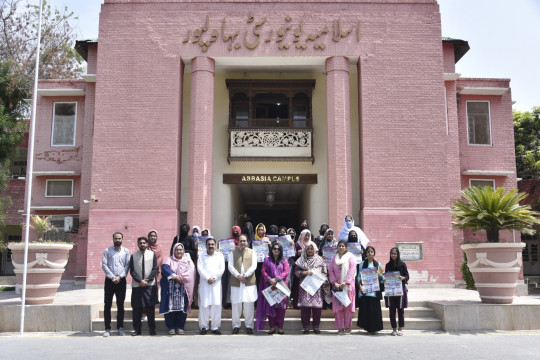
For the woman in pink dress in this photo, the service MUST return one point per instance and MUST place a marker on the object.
(341, 274)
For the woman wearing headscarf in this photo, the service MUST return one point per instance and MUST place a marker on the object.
(156, 249)
(303, 239)
(329, 241)
(322, 230)
(273, 230)
(249, 232)
(206, 232)
(348, 225)
(275, 268)
(309, 262)
(369, 303)
(341, 275)
(260, 235)
(353, 238)
(226, 278)
(177, 289)
(398, 303)
(186, 240)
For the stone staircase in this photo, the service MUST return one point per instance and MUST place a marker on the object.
(417, 317)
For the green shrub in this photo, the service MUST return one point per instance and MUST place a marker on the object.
(467, 275)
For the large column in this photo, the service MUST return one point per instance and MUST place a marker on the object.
(338, 129)
(201, 142)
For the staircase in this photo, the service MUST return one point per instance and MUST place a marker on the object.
(417, 317)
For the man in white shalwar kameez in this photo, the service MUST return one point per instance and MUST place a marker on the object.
(210, 266)
(243, 285)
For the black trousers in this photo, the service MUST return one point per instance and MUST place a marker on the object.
(137, 316)
(112, 289)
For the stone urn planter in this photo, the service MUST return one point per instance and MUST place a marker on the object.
(46, 264)
(495, 268)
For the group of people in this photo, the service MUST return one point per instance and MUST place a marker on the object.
(209, 280)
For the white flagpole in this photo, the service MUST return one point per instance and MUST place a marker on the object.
(30, 174)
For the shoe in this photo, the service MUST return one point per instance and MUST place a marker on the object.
(340, 332)
(305, 332)
(136, 333)
(400, 333)
(203, 331)
(394, 333)
(107, 333)
(271, 332)
(249, 331)
(235, 331)
(281, 332)
(179, 332)
(172, 331)
(121, 332)
(317, 331)
(347, 332)
(152, 332)
(216, 332)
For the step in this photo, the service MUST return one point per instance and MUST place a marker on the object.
(412, 312)
(291, 324)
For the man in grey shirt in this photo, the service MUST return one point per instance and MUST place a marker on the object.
(115, 264)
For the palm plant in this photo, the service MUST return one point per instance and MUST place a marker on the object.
(492, 210)
(41, 225)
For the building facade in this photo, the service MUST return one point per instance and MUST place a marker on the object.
(275, 111)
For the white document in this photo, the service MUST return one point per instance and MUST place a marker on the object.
(312, 283)
(342, 297)
(273, 296)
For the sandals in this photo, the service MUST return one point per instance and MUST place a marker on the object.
(271, 332)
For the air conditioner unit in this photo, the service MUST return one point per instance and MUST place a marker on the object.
(68, 223)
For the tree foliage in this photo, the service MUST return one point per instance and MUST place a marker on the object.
(18, 36)
(527, 142)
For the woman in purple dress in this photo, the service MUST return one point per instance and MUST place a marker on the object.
(275, 269)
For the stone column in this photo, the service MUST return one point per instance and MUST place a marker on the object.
(338, 129)
(201, 142)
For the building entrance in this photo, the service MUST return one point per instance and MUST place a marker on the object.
(279, 204)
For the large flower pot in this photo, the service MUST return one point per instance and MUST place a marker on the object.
(495, 268)
(46, 264)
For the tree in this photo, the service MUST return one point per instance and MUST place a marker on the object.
(18, 35)
(58, 59)
(527, 142)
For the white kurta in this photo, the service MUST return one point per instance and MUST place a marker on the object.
(210, 267)
(243, 293)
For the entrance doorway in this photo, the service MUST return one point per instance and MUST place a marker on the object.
(271, 204)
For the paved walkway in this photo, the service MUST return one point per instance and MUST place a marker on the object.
(442, 295)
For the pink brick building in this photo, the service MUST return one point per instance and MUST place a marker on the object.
(276, 111)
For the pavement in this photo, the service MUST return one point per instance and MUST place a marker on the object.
(420, 345)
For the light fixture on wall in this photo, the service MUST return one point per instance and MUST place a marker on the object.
(270, 198)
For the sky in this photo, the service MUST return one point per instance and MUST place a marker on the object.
(504, 37)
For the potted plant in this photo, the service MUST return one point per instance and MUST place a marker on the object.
(495, 265)
(46, 262)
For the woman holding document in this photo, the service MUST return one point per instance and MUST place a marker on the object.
(274, 275)
(398, 303)
(341, 274)
(311, 299)
(369, 294)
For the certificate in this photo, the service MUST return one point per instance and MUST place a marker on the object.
(342, 297)
(356, 250)
(370, 279)
(226, 247)
(392, 284)
(328, 253)
(313, 283)
(276, 296)
(261, 248)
